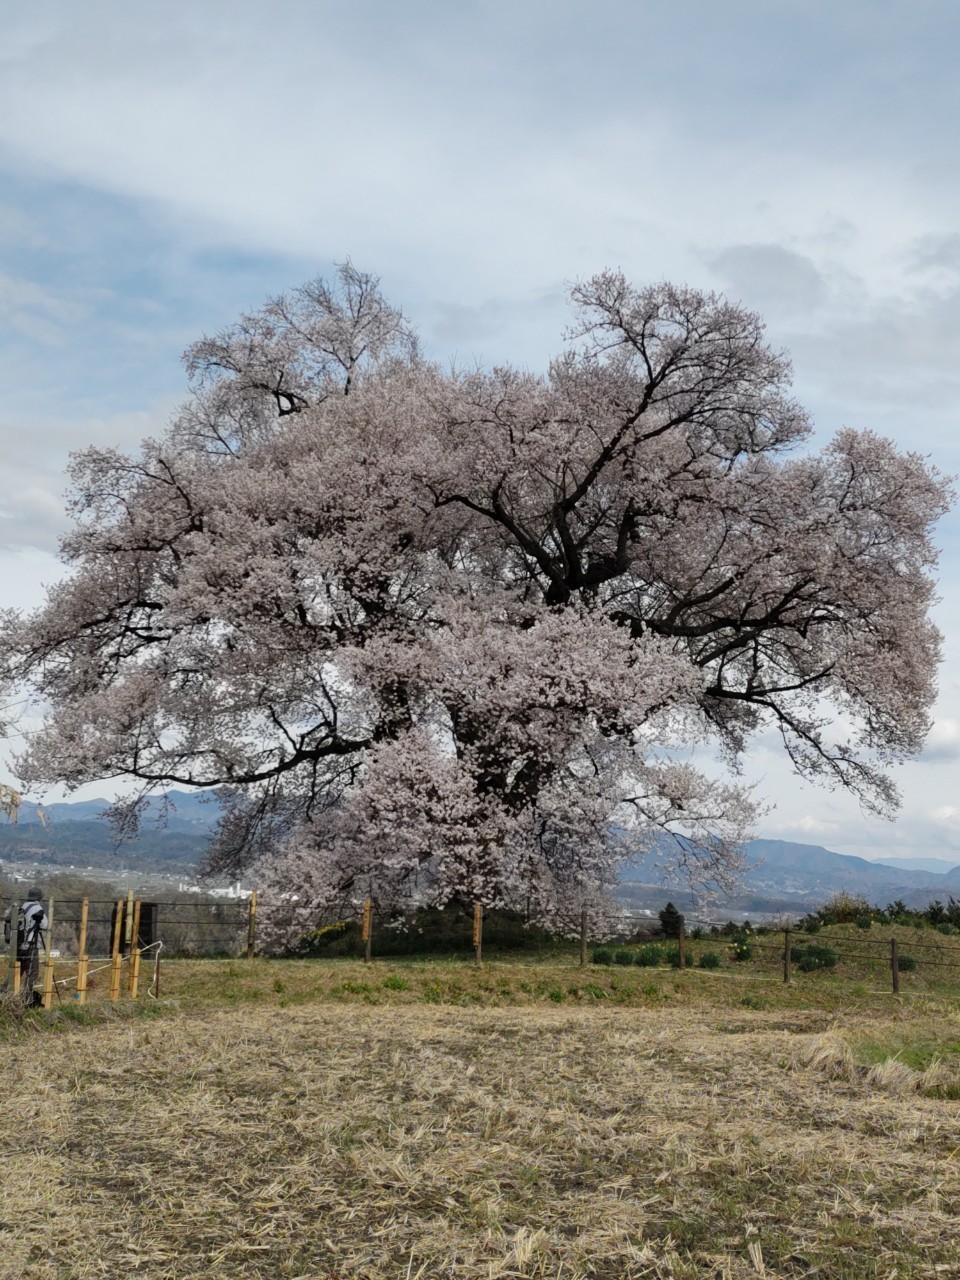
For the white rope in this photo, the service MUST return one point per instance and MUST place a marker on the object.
(156, 970)
(65, 982)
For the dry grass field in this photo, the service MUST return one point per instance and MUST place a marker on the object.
(330, 1121)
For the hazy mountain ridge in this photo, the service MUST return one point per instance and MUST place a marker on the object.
(177, 811)
(173, 835)
(940, 865)
(781, 876)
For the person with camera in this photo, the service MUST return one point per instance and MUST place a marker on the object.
(31, 936)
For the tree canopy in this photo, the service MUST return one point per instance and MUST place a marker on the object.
(459, 630)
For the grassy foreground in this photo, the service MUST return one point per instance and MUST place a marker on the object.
(330, 1121)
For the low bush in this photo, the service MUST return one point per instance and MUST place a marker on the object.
(812, 957)
(623, 956)
(648, 957)
(741, 950)
(710, 960)
(672, 958)
(906, 963)
(602, 955)
(845, 908)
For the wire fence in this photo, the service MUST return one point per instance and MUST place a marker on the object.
(786, 951)
(102, 945)
(87, 937)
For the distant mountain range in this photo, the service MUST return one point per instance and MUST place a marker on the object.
(940, 865)
(176, 811)
(782, 876)
(173, 835)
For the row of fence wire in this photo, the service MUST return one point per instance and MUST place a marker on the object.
(113, 938)
(784, 950)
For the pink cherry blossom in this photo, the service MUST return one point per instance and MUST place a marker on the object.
(449, 636)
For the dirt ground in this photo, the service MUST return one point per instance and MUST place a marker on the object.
(357, 1142)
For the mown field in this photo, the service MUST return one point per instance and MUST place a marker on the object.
(326, 1120)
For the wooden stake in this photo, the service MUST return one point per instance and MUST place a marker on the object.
(366, 929)
(252, 925)
(478, 933)
(682, 946)
(786, 955)
(135, 952)
(583, 937)
(48, 962)
(82, 961)
(115, 958)
(128, 923)
(894, 966)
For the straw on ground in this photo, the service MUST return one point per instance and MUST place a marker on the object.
(338, 1141)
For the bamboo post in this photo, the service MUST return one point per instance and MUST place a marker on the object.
(478, 933)
(366, 929)
(128, 924)
(48, 960)
(583, 938)
(82, 961)
(682, 946)
(786, 954)
(894, 966)
(115, 958)
(135, 952)
(252, 924)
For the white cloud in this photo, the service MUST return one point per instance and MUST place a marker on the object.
(34, 312)
(943, 741)
(770, 277)
(32, 499)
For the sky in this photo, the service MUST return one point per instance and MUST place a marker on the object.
(164, 167)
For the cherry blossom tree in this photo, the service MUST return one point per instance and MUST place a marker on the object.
(451, 636)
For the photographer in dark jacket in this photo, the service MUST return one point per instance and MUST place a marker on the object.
(31, 935)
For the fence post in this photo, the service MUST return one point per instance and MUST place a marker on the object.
(134, 974)
(366, 929)
(252, 924)
(115, 958)
(128, 923)
(786, 954)
(894, 966)
(681, 947)
(48, 960)
(82, 962)
(583, 938)
(478, 933)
